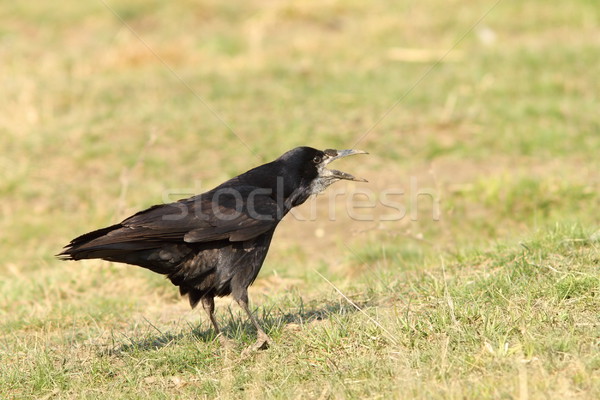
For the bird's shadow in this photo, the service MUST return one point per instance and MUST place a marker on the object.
(235, 326)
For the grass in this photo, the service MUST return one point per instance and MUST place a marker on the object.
(498, 298)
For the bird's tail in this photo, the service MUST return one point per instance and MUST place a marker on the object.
(117, 243)
(98, 244)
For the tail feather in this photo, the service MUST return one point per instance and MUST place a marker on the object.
(106, 243)
(86, 245)
(117, 243)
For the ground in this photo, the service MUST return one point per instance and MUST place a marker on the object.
(467, 267)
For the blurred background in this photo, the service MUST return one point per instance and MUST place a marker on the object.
(108, 107)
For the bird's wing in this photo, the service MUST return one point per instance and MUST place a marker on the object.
(246, 220)
(237, 215)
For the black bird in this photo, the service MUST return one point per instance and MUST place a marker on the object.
(214, 244)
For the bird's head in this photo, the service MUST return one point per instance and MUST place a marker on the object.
(312, 164)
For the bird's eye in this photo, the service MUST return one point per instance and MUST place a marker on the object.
(317, 159)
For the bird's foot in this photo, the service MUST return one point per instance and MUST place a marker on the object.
(262, 343)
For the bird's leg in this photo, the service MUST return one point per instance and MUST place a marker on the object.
(262, 340)
(208, 303)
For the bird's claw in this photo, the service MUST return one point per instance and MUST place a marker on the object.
(263, 342)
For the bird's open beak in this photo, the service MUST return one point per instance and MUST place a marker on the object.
(336, 154)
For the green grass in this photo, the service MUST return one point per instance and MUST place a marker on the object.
(499, 298)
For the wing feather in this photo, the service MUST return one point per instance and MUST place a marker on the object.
(234, 215)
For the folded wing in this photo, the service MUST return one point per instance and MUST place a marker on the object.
(234, 216)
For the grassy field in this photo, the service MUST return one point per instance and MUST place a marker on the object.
(482, 110)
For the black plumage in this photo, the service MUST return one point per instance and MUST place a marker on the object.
(214, 244)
